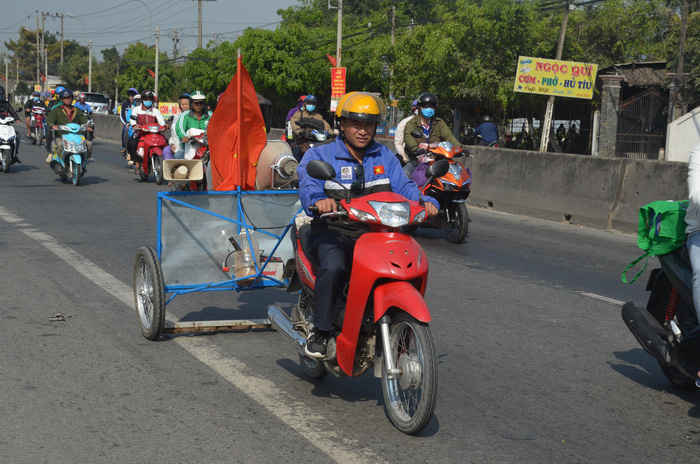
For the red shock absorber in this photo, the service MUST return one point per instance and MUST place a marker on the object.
(672, 305)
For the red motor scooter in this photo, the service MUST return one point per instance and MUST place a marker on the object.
(38, 119)
(383, 321)
(150, 150)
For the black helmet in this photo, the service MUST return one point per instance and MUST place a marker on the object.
(427, 99)
(65, 93)
(147, 95)
(486, 118)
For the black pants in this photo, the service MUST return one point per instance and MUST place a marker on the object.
(334, 255)
(132, 144)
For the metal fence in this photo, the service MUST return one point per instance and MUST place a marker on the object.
(641, 125)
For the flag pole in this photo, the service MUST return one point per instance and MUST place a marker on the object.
(239, 120)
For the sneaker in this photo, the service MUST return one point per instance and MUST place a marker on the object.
(49, 158)
(316, 345)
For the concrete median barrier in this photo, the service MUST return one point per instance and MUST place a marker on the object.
(604, 193)
(108, 127)
(596, 192)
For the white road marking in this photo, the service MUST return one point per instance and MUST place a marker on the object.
(603, 298)
(316, 428)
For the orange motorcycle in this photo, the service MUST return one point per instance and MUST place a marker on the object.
(450, 190)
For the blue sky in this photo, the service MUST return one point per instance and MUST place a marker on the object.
(120, 22)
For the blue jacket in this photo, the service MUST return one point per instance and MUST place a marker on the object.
(488, 131)
(383, 173)
(85, 108)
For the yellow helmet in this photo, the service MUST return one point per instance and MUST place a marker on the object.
(361, 106)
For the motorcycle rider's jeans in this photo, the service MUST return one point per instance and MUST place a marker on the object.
(333, 251)
(693, 244)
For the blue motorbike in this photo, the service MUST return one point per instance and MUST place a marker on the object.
(70, 152)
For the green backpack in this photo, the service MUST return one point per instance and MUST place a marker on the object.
(661, 230)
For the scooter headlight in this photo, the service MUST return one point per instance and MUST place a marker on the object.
(72, 147)
(154, 129)
(456, 170)
(362, 215)
(449, 186)
(394, 214)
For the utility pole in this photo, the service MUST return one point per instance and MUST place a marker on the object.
(90, 68)
(175, 41)
(7, 87)
(392, 91)
(38, 82)
(155, 90)
(199, 22)
(674, 109)
(61, 16)
(546, 130)
(43, 47)
(339, 38)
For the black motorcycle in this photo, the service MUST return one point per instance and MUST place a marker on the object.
(668, 328)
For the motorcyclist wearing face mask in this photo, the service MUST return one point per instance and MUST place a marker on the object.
(308, 110)
(34, 101)
(433, 129)
(62, 114)
(146, 113)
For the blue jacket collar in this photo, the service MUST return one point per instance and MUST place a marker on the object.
(342, 152)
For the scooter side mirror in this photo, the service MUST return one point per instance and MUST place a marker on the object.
(438, 169)
(416, 134)
(320, 170)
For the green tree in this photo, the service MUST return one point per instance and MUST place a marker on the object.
(137, 60)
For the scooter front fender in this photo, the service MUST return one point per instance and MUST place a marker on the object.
(76, 158)
(401, 295)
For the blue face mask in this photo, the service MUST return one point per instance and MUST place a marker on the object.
(36, 99)
(147, 103)
(428, 112)
(310, 108)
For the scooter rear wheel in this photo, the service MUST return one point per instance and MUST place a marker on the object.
(657, 308)
(411, 396)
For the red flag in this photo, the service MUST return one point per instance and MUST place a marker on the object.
(332, 59)
(236, 128)
(87, 81)
(153, 74)
(42, 77)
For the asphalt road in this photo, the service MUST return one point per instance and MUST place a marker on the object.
(536, 364)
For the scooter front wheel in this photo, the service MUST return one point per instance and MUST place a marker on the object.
(157, 169)
(411, 395)
(457, 222)
(312, 368)
(149, 293)
(6, 161)
(77, 173)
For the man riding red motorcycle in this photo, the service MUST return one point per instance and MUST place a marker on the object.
(148, 124)
(333, 239)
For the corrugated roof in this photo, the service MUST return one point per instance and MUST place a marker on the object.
(646, 73)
